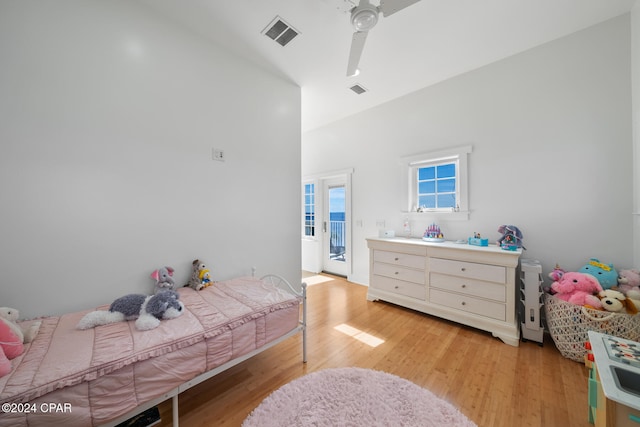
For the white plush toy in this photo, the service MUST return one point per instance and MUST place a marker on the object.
(147, 310)
(25, 333)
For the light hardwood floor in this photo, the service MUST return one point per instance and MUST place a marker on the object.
(494, 384)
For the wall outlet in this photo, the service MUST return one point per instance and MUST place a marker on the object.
(218, 154)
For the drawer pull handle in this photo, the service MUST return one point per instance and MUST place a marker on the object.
(397, 287)
(464, 303)
(397, 272)
(463, 269)
(634, 418)
(396, 259)
(464, 286)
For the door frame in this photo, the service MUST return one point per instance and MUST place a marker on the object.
(313, 249)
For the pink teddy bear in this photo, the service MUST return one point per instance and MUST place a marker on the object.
(578, 288)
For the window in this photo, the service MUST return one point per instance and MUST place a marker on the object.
(309, 210)
(437, 181)
(437, 186)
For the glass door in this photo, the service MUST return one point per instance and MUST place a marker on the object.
(334, 227)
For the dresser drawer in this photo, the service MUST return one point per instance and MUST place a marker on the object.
(469, 304)
(399, 272)
(478, 288)
(397, 258)
(490, 273)
(400, 287)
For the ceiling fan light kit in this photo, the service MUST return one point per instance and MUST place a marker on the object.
(364, 17)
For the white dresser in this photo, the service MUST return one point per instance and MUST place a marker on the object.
(472, 285)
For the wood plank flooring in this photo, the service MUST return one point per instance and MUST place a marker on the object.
(494, 384)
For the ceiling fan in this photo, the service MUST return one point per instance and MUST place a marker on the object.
(363, 18)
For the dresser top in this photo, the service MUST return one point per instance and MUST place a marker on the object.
(448, 244)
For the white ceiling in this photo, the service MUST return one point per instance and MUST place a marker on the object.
(426, 43)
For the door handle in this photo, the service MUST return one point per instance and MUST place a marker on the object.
(324, 226)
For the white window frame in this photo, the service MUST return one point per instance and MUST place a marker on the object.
(410, 166)
(315, 207)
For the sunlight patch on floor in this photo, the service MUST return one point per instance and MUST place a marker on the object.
(361, 336)
(314, 280)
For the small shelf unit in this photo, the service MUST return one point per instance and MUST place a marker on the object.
(531, 300)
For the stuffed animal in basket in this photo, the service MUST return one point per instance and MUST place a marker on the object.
(164, 279)
(147, 310)
(628, 280)
(197, 280)
(578, 288)
(605, 273)
(616, 302)
(12, 337)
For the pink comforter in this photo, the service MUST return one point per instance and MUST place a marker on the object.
(87, 377)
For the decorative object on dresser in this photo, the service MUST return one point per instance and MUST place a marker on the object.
(354, 397)
(471, 285)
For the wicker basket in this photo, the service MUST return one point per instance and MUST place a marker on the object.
(569, 325)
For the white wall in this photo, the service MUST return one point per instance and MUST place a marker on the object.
(109, 113)
(552, 150)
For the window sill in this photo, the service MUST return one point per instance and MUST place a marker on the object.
(453, 216)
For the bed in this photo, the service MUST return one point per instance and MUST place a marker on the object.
(105, 375)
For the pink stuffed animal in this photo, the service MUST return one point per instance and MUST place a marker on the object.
(628, 280)
(10, 346)
(578, 288)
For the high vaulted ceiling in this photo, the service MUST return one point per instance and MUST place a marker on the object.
(426, 43)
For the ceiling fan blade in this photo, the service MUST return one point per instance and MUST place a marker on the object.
(389, 7)
(357, 46)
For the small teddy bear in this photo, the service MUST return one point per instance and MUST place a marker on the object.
(26, 332)
(196, 280)
(578, 288)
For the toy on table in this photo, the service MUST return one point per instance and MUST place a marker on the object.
(511, 238)
(13, 337)
(604, 273)
(433, 234)
(616, 302)
(164, 279)
(578, 288)
(147, 310)
(195, 281)
(477, 240)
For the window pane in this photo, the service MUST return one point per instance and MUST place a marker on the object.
(426, 173)
(446, 185)
(446, 200)
(428, 202)
(447, 171)
(427, 187)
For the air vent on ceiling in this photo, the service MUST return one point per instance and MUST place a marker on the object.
(280, 31)
(358, 89)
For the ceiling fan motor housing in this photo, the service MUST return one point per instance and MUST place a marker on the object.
(364, 17)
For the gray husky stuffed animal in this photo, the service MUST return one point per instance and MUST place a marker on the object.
(147, 310)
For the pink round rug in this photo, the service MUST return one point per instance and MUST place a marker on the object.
(354, 397)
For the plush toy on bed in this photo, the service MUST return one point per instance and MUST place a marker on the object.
(606, 275)
(197, 280)
(615, 301)
(12, 337)
(147, 310)
(578, 288)
(164, 279)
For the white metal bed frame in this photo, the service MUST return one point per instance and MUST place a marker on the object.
(173, 394)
